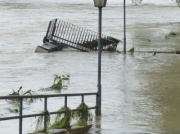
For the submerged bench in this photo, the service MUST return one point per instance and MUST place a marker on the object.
(61, 34)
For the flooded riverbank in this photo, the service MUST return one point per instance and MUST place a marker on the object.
(140, 92)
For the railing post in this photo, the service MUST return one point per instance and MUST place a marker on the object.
(97, 104)
(65, 102)
(82, 99)
(20, 114)
(45, 114)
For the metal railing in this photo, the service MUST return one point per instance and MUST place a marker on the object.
(63, 33)
(45, 97)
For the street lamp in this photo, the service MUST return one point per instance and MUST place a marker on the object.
(100, 4)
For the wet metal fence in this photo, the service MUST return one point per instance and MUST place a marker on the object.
(45, 97)
(63, 33)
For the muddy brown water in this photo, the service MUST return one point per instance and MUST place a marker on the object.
(140, 92)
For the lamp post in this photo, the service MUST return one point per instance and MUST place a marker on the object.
(100, 4)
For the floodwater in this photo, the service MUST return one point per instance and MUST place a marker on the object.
(140, 92)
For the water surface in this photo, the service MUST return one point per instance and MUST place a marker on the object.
(140, 92)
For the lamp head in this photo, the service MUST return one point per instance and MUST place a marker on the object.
(100, 3)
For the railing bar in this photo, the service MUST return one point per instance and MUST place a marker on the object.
(80, 41)
(43, 96)
(62, 29)
(83, 36)
(65, 32)
(72, 34)
(75, 32)
(34, 115)
(57, 30)
(69, 32)
(86, 36)
(78, 35)
(9, 118)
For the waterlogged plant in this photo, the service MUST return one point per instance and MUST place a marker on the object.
(57, 85)
(131, 51)
(62, 120)
(172, 34)
(15, 110)
(28, 92)
(177, 52)
(178, 2)
(65, 77)
(39, 126)
(20, 92)
(136, 2)
(58, 80)
(83, 116)
(106, 44)
(65, 81)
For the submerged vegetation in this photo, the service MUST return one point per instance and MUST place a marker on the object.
(39, 126)
(82, 116)
(172, 34)
(136, 2)
(20, 92)
(131, 51)
(109, 44)
(177, 52)
(63, 119)
(28, 92)
(15, 110)
(57, 85)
